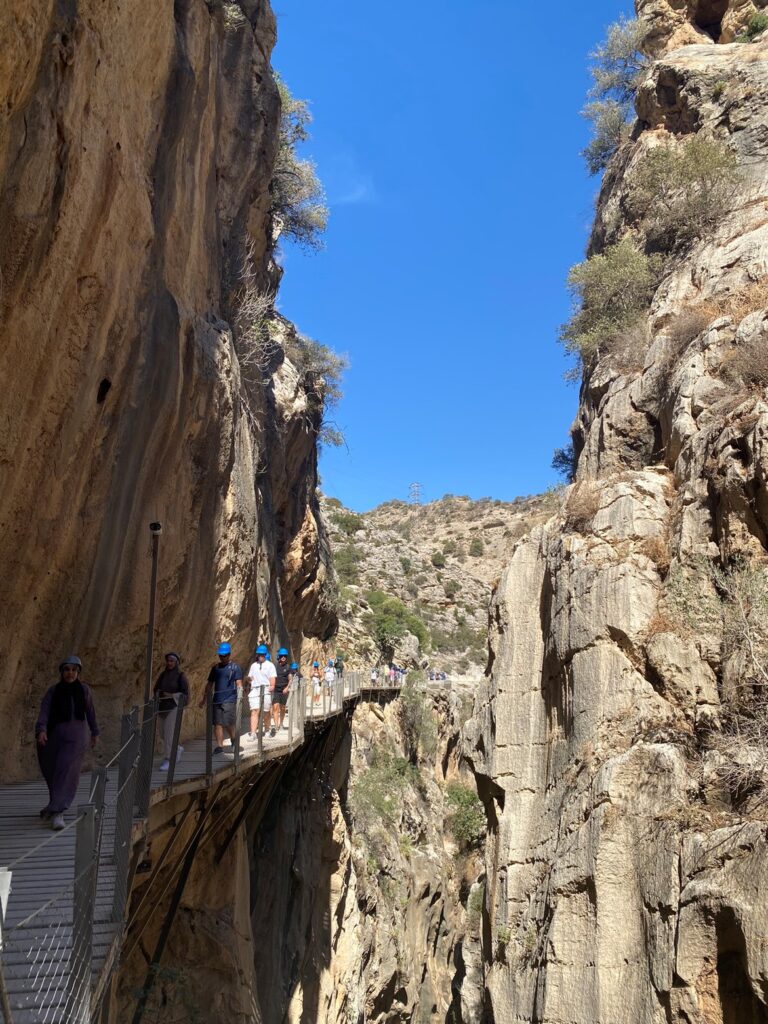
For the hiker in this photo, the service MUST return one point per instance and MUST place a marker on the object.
(65, 720)
(171, 685)
(392, 674)
(315, 677)
(225, 678)
(339, 666)
(374, 676)
(330, 677)
(282, 685)
(261, 676)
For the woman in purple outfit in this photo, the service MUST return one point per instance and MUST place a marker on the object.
(65, 720)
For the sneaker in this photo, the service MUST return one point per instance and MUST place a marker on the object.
(58, 822)
(179, 752)
(165, 766)
(251, 736)
(45, 814)
(272, 731)
(218, 750)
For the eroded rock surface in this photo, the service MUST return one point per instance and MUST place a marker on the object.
(136, 152)
(623, 873)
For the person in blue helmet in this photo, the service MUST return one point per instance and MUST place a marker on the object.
(261, 676)
(280, 692)
(225, 679)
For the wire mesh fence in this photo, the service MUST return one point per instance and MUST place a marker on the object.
(56, 934)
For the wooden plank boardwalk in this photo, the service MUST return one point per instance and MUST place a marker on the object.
(38, 939)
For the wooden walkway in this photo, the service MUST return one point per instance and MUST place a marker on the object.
(38, 940)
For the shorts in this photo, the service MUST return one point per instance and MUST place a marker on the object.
(280, 697)
(254, 697)
(225, 714)
(316, 687)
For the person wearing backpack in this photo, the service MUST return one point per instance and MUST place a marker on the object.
(225, 679)
(282, 685)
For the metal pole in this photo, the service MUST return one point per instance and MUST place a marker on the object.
(156, 529)
(238, 721)
(176, 734)
(260, 737)
(209, 735)
(5, 888)
(82, 927)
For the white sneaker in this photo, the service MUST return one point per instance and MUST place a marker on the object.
(165, 766)
(179, 752)
(58, 822)
(251, 736)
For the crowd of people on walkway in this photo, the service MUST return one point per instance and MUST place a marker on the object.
(66, 725)
(390, 673)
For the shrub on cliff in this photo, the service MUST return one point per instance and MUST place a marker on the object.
(348, 522)
(618, 69)
(756, 25)
(681, 191)
(321, 370)
(476, 547)
(389, 620)
(417, 722)
(376, 795)
(466, 816)
(346, 561)
(612, 291)
(298, 202)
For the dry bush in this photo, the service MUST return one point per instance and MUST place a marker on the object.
(741, 303)
(662, 623)
(747, 364)
(628, 349)
(688, 325)
(657, 548)
(582, 506)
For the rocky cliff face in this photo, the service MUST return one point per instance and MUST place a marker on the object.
(136, 151)
(341, 896)
(628, 847)
(441, 560)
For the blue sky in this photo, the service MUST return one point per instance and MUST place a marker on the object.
(447, 136)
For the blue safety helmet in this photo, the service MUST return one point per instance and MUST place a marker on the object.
(294, 666)
(224, 649)
(71, 659)
(315, 664)
(263, 649)
(283, 652)
(330, 661)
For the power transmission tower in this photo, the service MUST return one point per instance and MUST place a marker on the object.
(414, 493)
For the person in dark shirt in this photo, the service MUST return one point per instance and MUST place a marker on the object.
(280, 694)
(225, 678)
(62, 729)
(172, 684)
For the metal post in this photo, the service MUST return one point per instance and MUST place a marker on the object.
(82, 928)
(260, 737)
(5, 888)
(174, 752)
(325, 695)
(209, 735)
(146, 758)
(238, 723)
(156, 529)
(126, 790)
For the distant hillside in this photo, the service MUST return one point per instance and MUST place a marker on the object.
(415, 579)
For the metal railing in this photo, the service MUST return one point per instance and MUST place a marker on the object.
(46, 954)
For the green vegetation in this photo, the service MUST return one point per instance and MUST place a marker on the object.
(718, 89)
(680, 191)
(389, 620)
(438, 559)
(405, 564)
(619, 66)
(348, 522)
(417, 720)
(450, 588)
(612, 291)
(757, 24)
(297, 199)
(564, 462)
(467, 818)
(376, 795)
(346, 561)
(450, 547)
(321, 370)
(476, 547)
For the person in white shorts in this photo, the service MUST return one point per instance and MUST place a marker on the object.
(261, 675)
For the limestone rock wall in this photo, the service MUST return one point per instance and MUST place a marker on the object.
(625, 877)
(136, 150)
